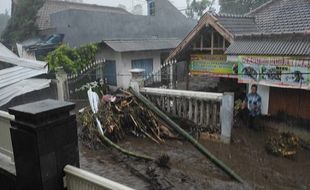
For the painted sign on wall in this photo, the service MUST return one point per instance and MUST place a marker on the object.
(212, 65)
(275, 71)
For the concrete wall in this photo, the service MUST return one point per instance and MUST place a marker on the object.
(123, 62)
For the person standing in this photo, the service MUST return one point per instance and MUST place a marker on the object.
(253, 102)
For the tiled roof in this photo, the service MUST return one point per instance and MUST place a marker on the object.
(142, 44)
(237, 24)
(290, 44)
(283, 16)
(81, 27)
(50, 7)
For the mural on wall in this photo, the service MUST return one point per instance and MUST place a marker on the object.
(275, 71)
(216, 65)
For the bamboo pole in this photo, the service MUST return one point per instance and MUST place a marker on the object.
(129, 153)
(193, 141)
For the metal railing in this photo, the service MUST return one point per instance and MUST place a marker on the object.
(5, 135)
(202, 108)
(78, 179)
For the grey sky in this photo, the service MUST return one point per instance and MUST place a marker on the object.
(180, 4)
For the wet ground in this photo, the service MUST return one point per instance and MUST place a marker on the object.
(190, 170)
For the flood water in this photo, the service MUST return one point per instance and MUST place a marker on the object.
(190, 170)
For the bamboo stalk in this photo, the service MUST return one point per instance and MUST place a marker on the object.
(129, 153)
(193, 141)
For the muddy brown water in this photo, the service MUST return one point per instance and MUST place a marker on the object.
(190, 170)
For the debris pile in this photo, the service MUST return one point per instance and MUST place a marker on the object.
(129, 112)
(285, 145)
(123, 115)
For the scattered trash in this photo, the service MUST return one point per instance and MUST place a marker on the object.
(285, 145)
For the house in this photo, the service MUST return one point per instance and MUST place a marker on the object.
(49, 7)
(270, 46)
(126, 40)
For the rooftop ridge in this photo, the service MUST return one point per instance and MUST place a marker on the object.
(231, 15)
(84, 4)
(139, 39)
(272, 34)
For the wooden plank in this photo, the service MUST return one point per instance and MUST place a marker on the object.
(212, 42)
(187, 69)
(201, 42)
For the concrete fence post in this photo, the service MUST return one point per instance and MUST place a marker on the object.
(44, 139)
(62, 85)
(226, 115)
(136, 81)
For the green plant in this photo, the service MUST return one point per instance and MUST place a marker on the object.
(22, 24)
(72, 60)
(4, 18)
(195, 7)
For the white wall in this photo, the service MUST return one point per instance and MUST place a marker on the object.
(123, 62)
(263, 91)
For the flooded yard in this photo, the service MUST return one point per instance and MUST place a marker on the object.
(188, 169)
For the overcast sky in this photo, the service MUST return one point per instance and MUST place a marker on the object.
(180, 4)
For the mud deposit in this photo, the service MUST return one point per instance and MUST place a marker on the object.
(188, 169)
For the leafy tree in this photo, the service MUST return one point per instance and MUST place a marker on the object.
(239, 6)
(72, 60)
(22, 23)
(196, 7)
(3, 20)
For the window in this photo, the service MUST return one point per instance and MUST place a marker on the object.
(107, 71)
(146, 64)
(151, 7)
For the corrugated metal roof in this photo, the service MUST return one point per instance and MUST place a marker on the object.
(15, 81)
(142, 44)
(21, 87)
(12, 75)
(272, 44)
(8, 56)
